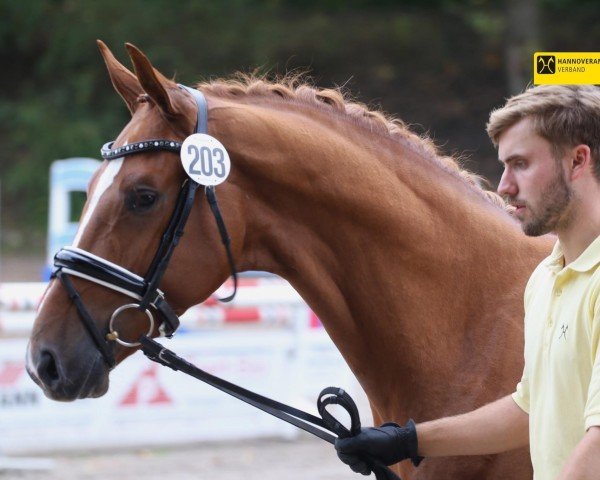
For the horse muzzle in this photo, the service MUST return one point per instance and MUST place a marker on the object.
(84, 376)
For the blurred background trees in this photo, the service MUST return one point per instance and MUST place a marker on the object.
(440, 65)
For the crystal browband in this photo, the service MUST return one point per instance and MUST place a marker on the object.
(109, 153)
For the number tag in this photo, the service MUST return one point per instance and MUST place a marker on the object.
(205, 159)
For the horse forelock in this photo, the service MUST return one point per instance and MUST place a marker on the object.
(295, 88)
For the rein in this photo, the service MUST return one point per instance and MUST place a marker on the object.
(329, 427)
(72, 261)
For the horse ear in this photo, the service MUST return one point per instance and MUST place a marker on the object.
(125, 82)
(153, 82)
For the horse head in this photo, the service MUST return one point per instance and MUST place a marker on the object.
(134, 203)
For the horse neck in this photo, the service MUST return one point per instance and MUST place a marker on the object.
(389, 249)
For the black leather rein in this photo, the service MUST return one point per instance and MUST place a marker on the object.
(327, 427)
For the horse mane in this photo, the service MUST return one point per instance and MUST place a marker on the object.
(295, 87)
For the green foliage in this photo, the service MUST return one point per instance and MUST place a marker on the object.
(438, 63)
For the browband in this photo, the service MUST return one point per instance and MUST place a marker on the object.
(109, 153)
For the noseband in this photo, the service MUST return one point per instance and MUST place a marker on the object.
(72, 261)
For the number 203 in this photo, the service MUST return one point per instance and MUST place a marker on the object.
(211, 162)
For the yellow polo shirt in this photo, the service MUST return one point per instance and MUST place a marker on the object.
(560, 388)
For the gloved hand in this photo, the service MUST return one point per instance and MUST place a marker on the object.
(388, 444)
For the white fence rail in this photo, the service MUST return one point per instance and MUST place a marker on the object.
(272, 344)
(268, 301)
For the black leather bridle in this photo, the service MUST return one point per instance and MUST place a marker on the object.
(72, 261)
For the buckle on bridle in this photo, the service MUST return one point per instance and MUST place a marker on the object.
(160, 296)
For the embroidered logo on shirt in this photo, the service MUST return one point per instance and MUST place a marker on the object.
(563, 330)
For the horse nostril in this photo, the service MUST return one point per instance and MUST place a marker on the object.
(48, 369)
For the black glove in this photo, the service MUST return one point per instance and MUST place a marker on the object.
(388, 444)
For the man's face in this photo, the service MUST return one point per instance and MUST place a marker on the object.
(533, 180)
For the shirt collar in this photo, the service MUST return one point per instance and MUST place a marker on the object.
(585, 262)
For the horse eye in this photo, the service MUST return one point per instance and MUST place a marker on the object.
(140, 200)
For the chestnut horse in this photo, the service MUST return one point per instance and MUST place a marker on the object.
(416, 273)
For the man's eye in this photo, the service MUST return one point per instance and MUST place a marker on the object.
(141, 200)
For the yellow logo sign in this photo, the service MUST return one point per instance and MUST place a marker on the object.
(566, 68)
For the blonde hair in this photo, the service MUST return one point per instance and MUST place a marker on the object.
(565, 115)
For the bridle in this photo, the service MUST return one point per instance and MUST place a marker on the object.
(72, 261)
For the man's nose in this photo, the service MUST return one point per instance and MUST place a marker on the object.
(507, 186)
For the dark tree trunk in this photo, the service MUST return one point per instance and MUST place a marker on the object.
(522, 41)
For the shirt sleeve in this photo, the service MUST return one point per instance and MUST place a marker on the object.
(592, 407)
(521, 394)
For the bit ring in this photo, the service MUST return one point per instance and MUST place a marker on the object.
(113, 335)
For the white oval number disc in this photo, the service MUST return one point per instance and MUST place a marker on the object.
(205, 159)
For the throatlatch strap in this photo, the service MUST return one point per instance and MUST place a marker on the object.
(225, 238)
(326, 428)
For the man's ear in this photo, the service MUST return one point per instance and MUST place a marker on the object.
(580, 161)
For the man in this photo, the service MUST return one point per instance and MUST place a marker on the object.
(548, 140)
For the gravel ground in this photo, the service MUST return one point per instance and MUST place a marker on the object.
(270, 459)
